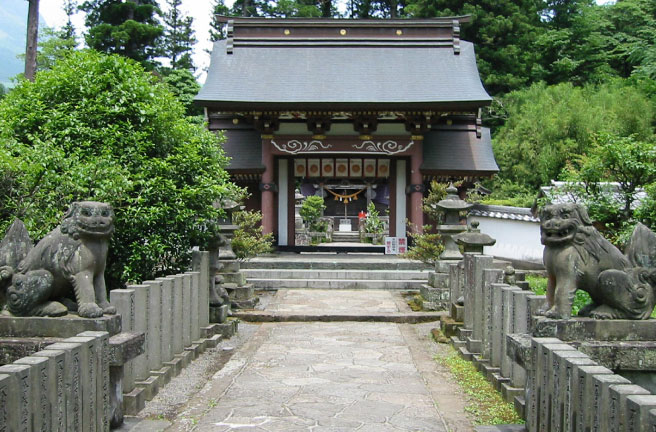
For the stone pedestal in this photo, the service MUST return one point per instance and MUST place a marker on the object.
(218, 314)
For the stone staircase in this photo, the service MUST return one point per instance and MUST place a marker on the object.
(342, 271)
(346, 237)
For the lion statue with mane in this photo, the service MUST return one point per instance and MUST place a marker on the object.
(64, 271)
(576, 256)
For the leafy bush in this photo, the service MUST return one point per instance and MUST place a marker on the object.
(373, 224)
(426, 247)
(98, 127)
(311, 212)
(538, 285)
(248, 240)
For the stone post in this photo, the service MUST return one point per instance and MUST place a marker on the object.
(124, 302)
(206, 284)
(140, 363)
(101, 354)
(490, 277)
(73, 370)
(468, 289)
(91, 406)
(177, 315)
(57, 391)
(166, 326)
(18, 398)
(40, 408)
(154, 352)
(186, 309)
(195, 305)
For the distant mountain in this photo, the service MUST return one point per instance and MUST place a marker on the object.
(13, 28)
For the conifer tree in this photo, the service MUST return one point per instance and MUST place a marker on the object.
(178, 37)
(126, 27)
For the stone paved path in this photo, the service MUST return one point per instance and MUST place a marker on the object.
(335, 376)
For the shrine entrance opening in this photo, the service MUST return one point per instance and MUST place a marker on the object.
(347, 200)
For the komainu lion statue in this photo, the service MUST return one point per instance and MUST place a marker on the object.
(577, 257)
(65, 270)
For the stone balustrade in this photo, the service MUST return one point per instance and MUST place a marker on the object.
(65, 387)
(172, 313)
(559, 373)
(86, 380)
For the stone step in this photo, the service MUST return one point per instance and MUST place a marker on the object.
(336, 274)
(380, 284)
(334, 262)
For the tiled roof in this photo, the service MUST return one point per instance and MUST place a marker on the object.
(342, 75)
(458, 151)
(245, 150)
(503, 212)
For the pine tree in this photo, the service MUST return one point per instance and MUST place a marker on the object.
(126, 27)
(178, 37)
(68, 30)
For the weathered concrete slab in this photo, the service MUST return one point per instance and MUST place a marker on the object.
(60, 327)
(587, 329)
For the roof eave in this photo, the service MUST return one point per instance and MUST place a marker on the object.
(343, 106)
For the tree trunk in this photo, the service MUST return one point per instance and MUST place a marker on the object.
(326, 8)
(32, 39)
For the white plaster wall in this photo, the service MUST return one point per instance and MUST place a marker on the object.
(517, 240)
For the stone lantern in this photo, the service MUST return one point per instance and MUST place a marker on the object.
(229, 277)
(474, 240)
(452, 206)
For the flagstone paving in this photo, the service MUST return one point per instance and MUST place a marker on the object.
(329, 376)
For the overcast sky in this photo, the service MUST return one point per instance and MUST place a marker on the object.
(200, 10)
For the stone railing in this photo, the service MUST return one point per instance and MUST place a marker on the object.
(53, 381)
(560, 374)
(173, 314)
(64, 387)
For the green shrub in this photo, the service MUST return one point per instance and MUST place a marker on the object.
(99, 127)
(427, 247)
(538, 285)
(311, 212)
(373, 224)
(248, 240)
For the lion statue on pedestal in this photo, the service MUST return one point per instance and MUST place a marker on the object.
(576, 256)
(65, 270)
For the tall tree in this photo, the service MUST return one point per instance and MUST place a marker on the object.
(503, 32)
(179, 37)
(126, 27)
(217, 30)
(68, 30)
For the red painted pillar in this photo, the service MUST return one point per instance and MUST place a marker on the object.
(416, 186)
(267, 187)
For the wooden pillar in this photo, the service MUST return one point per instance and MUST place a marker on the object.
(416, 188)
(267, 188)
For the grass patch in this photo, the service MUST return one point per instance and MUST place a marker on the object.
(416, 303)
(538, 285)
(483, 402)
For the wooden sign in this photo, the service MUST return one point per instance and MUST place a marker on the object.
(300, 167)
(356, 167)
(383, 167)
(370, 167)
(341, 168)
(314, 167)
(328, 167)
